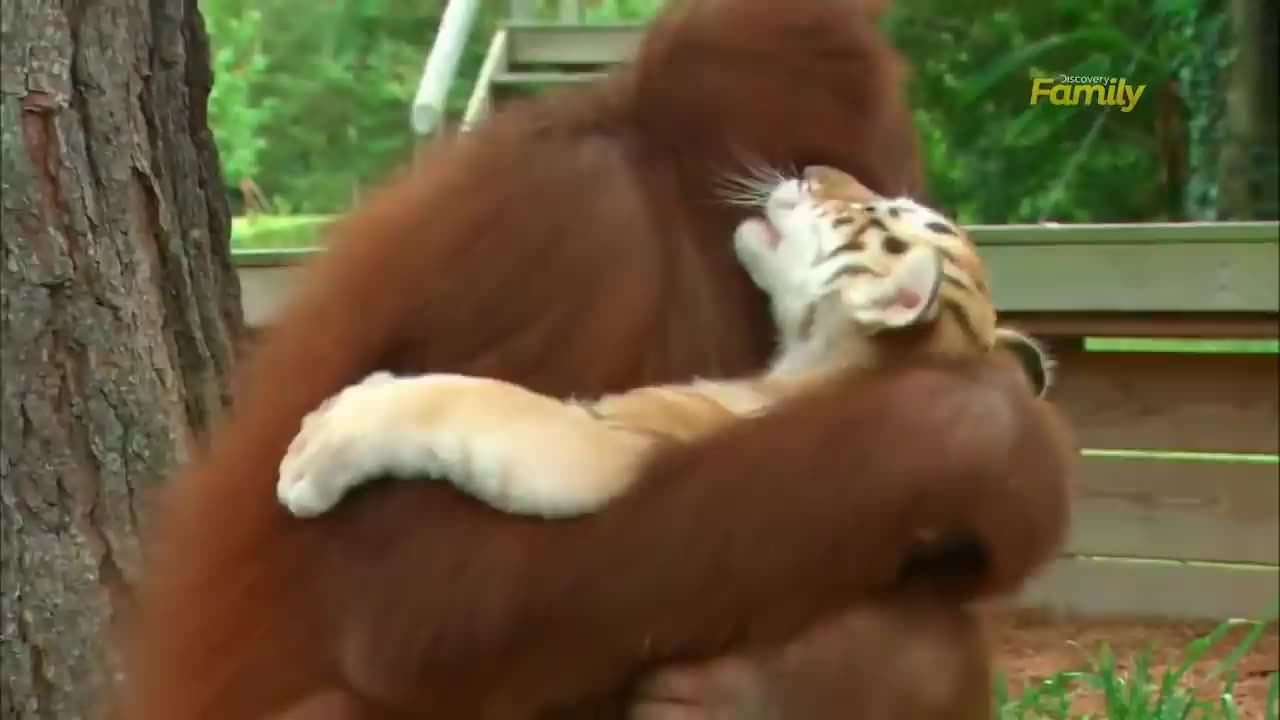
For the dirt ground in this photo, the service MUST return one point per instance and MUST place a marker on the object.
(1032, 646)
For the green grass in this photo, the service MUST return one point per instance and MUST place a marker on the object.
(1141, 694)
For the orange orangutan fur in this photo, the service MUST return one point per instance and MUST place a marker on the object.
(572, 244)
(845, 270)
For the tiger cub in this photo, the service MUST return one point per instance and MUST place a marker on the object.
(846, 272)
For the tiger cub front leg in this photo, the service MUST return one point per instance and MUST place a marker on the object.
(513, 449)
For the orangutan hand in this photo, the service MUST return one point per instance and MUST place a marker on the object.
(897, 661)
(725, 689)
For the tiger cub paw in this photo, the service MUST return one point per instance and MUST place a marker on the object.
(352, 438)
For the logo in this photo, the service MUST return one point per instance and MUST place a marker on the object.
(1073, 89)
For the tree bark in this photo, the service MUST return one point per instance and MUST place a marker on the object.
(1248, 169)
(120, 311)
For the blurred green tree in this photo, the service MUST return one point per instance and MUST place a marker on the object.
(311, 100)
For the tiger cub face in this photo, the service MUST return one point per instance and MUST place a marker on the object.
(851, 275)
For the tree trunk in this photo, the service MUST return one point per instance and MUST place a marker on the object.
(120, 313)
(1247, 173)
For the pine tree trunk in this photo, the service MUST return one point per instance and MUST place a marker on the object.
(120, 313)
(1248, 167)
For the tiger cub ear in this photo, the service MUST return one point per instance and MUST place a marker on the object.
(835, 184)
(1030, 355)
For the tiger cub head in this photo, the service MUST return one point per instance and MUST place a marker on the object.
(861, 279)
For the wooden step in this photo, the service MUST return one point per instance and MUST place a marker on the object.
(526, 57)
(530, 43)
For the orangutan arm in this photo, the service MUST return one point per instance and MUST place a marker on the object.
(892, 660)
(528, 453)
(740, 540)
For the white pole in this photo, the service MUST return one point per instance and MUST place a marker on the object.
(442, 63)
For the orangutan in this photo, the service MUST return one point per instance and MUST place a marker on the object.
(817, 556)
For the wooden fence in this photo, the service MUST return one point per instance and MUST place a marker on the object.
(1178, 511)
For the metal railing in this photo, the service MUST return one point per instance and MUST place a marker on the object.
(428, 107)
(481, 100)
(441, 67)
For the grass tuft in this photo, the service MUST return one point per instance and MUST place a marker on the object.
(1177, 693)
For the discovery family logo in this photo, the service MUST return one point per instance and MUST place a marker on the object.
(1094, 90)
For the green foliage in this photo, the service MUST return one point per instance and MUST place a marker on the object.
(1138, 694)
(995, 158)
(235, 114)
(311, 99)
